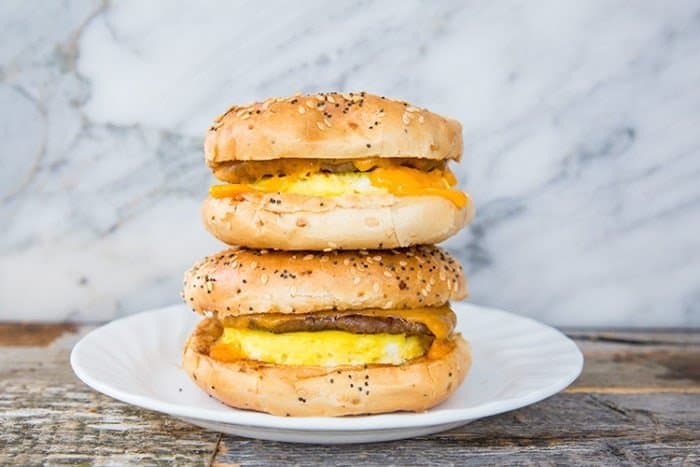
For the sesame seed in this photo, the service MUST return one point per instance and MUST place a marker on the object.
(320, 126)
(253, 265)
(387, 273)
(308, 257)
(375, 287)
(377, 258)
(301, 109)
(356, 280)
(421, 119)
(263, 279)
(310, 104)
(406, 119)
(410, 108)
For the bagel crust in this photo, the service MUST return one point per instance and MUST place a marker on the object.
(296, 222)
(319, 391)
(241, 281)
(328, 126)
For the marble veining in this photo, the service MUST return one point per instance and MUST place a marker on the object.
(581, 126)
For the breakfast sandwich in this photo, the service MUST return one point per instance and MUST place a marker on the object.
(315, 333)
(333, 171)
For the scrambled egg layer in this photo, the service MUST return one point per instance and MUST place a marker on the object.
(322, 348)
(322, 184)
(399, 181)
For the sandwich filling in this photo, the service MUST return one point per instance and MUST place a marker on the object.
(335, 338)
(338, 177)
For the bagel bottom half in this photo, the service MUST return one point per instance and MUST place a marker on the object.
(294, 222)
(319, 391)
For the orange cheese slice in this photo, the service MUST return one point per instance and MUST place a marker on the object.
(399, 181)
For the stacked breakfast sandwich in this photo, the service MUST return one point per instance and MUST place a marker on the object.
(332, 299)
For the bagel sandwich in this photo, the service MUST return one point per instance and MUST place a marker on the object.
(327, 333)
(333, 171)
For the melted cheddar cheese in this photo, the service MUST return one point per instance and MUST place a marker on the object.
(332, 347)
(397, 180)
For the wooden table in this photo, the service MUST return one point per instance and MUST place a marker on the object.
(637, 402)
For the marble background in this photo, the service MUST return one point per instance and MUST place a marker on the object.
(581, 126)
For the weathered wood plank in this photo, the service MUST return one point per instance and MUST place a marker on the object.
(637, 402)
(567, 428)
(428, 453)
(615, 367)
(33, 334)
(677, 337)
(49, 417)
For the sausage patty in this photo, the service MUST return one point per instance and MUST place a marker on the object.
(358, 324)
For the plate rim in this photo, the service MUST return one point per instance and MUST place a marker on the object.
(400, 420)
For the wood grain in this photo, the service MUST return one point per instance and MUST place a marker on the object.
(50, 417)
(618, 363)
(637, 403)
(33, 334)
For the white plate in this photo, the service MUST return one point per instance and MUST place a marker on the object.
(516, 362)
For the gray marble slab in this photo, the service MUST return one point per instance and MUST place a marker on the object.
(581, 126)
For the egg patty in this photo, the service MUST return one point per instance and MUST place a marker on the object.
(399, 181)
(320, 348)
(324, 184)
(335, 338)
